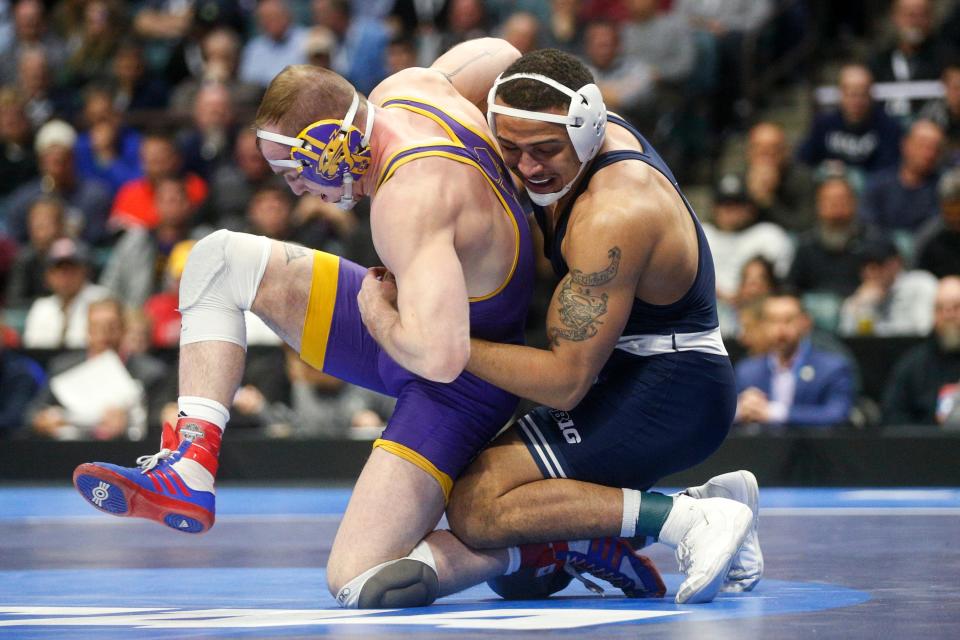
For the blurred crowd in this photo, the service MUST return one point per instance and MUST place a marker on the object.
(124, 138)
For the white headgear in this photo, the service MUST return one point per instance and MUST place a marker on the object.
(586, 123)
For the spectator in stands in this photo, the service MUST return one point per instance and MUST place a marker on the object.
(280, 43)
(324, 406)
(662, 41)
(43, 100)
(780, 189)
(938, 243)
(946, 112)
(360, 54)
(627, 84)
(466, 20)
(271, 214)
(727, 24)
(859, 133)
(735, 236)
(20, 378)
(234, 183)
(133, 88)
(134, 271)
(107, 151)
(757, 281)
(905, 197)
(914, 55)
(320, 46)
(401, 54)
(135, 204)
(45, 223)
(564, 28)
(161, 308)
(87, 201)
(30, 33)
(50, 419)
(208, 143)
(221, 57)
(890, 301)
(59, 320)
(924, 376)
(18, 164)
(91, 51)
(794, 383)
(522, 30)
(828, 256)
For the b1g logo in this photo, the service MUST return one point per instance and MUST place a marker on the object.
(566, 426)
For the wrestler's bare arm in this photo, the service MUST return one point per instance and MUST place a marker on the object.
(589, 310)
(472, 66)
(427, 328)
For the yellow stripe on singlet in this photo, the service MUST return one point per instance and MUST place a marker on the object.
(323, 298)
(466, 125)
(408, 454)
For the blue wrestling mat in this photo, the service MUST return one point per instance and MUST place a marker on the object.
(851, 563)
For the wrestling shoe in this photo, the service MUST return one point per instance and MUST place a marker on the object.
(174, 487)
(612, 560)
(706, 534)
(540, 575)
(746, 568)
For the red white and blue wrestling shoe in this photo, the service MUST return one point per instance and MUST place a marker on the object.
(174, 486)
(612, 560)
(548, 568)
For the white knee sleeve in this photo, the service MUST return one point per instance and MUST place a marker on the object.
(219, 283)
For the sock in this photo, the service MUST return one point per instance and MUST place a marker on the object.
(513, 565)
(653, 512)
(205, 409)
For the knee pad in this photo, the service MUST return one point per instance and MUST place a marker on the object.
(219, 283)
(397, 584)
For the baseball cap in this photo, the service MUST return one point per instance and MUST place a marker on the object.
(54, 133)
(731, 188)
(67, 250)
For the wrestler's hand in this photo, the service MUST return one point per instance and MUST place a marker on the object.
(378, 301)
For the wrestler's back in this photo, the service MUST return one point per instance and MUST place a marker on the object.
(485, 238)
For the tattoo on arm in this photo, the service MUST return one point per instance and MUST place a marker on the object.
(449, 75)
(293, 251)
(580, 309)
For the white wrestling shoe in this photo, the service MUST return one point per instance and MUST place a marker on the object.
(706, 534)
(746, 568)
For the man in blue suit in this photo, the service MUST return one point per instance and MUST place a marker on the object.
(794, 383)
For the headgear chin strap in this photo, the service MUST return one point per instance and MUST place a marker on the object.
(332, 153)
(586, 123)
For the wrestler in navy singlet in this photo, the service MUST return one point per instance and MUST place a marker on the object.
(666, 397)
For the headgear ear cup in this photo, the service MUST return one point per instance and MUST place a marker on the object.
(585, 121)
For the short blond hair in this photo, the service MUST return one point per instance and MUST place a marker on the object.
(302, 94)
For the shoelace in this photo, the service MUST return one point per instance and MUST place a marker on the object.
(146, 463)
(590, 584)
(684, 556)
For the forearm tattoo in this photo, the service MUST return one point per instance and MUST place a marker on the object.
(580, 309)
(293, 251)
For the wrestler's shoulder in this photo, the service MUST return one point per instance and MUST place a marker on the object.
(417, 82)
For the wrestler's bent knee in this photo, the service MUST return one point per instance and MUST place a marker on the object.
(397, 584)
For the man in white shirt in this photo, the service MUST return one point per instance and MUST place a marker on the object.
(59, 320)
(889, 301)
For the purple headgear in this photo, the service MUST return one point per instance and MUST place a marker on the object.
(332, 153)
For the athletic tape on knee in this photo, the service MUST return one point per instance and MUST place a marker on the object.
(219, 283)
(349, 595)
